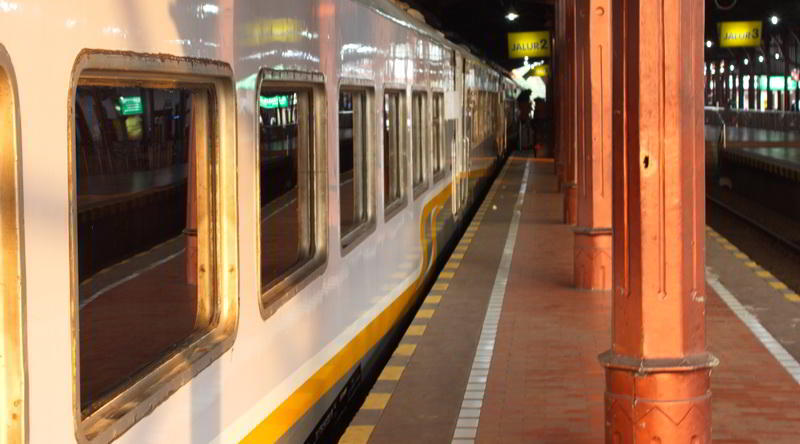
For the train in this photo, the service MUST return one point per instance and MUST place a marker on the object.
(218, 214)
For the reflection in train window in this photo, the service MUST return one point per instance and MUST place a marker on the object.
(437, 124)
(393, 153)
(354, 162)
(418, 138)
(142, 162)
(285, 165)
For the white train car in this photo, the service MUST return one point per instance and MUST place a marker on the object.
(216, 213)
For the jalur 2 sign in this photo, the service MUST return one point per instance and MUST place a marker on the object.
(534, 44)
(739, 34)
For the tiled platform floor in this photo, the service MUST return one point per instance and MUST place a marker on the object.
(544, 383)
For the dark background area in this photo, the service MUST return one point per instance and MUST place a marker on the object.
(481, 24)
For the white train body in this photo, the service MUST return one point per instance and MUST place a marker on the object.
(261, 386)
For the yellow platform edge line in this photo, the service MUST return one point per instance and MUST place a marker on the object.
(356, 434)
(768, 277)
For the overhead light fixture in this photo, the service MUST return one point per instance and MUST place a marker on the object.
(511, 16)
(733, 67)
(774, 20)
(709, 43)
(746, 62)
(777, 56)
(761, 59)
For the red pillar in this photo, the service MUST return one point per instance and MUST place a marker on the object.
(564, 104)
(593, 232)
(658, 369)
(573, 119)
(557, 101)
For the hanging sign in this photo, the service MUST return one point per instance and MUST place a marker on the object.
(739, 34)
(533, 44)
(541, 70)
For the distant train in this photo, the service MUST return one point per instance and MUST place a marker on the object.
(217, 213)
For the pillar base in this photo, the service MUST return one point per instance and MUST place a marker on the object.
(571, 204)
(593, 258)
(658, 400)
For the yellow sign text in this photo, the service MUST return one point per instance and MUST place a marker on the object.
(528, 44)
(739, 34)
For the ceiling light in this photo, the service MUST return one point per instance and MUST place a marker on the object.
(732, 67)
(774, 20)
(761, 59)
(746, 62)
(709, 43)
(511, 16)
(777, 56)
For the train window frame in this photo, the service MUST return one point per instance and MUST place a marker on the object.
(349, 241)
(393, 208)
(425, 153)
(276, 293)
(444, 154)
(219, 297)
(14, 410)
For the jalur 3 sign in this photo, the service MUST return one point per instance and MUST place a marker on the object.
(739, 34)
(533, 44)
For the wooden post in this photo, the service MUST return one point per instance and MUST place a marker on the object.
(573, 115)
(593, 231)
(658, 369)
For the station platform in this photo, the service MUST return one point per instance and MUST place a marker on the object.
(504, 349)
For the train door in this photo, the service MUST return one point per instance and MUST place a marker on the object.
(12, 417)
(455, 107)
(462, 144)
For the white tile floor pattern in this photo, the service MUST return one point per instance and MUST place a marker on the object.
(469, 416)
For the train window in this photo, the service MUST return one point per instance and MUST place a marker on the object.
(419, 140)
(393, 152)
(355, 164)
(13, 371)
(285, 202)
(437, 125)
(154, 228)
(291, 184)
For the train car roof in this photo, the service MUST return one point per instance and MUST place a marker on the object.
(401, 17)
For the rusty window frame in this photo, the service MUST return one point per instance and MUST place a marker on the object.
(14, 409)
(218, 301)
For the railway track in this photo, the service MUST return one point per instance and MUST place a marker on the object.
(789, 244)
(773, 251)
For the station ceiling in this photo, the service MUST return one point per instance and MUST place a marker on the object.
(482, 26)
